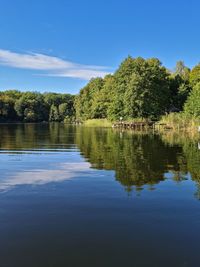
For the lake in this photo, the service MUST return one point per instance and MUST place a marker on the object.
(94, 197)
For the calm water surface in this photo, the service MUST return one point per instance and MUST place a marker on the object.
(75, 196)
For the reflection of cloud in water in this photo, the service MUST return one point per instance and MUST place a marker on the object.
(63, 172)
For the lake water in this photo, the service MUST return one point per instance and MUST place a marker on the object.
(76, 196)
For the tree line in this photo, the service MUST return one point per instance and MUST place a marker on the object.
(139, 88)
(36, 107)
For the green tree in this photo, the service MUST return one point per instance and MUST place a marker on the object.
(147, 93)
(85, 105)
(192, 105)
(103, 99)
(54, 114)
(179, 85)
(121, 80)
(65, 111)
(195, 75)
(182, 70)
(33, 106)
(30, 107)
(5, 107)
(7, 102)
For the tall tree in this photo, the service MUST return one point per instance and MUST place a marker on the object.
(180, 85)
(147, 93)
(195, 75)
(54, 114)
(31, 107)
(84, 102)
(192, 105)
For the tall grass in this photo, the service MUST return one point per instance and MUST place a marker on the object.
(97, 123)
(139, 119)
(180, 121)
(173, 121)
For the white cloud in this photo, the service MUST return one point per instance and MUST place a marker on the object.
(85, 74)
(51, 66)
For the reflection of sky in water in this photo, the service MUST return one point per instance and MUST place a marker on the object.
(38, 168)
(136, 206)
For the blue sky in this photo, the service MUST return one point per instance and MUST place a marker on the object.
(59, 45)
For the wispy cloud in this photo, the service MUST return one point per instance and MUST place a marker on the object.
(50, 65)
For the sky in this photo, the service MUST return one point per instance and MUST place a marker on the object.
(60, 45)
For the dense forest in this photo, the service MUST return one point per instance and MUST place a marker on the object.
(140, 88)
(36, 107)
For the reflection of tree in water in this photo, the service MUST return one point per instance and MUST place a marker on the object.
(190, 156)
(32, 136)
(137, 159)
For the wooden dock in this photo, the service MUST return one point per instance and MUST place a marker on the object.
(140, 125)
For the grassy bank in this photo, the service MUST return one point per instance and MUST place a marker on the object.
(180, 121)
(98, 123)
(174, 122)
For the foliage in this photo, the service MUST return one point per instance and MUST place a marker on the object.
(182, 71)
(85, 101)
(192, 105)
(35, 107)
(54, 113)
(139, 88)
(31, 107)
(147, 94)
(195, 75)
(180, 85)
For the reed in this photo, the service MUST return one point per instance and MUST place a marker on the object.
(180, 122)
(98, 123)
